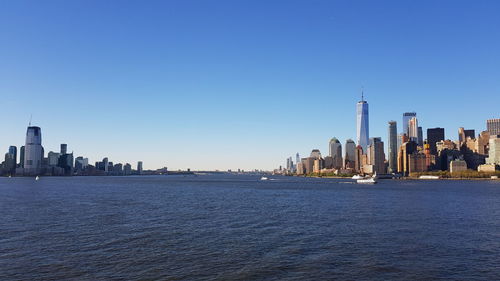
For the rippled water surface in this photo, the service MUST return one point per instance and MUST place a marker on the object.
(241, 228)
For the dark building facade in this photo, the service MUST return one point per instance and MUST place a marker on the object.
(433, 136)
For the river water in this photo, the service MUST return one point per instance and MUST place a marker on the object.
(228, 227)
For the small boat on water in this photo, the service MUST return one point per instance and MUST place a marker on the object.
(264, 178)
(37, 178)
(357, 177)
(370, 180)
(427, 177)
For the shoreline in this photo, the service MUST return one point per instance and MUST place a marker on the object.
(403, 178)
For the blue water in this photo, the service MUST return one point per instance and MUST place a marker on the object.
(239, 228)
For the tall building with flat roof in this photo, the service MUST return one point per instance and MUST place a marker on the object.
(434, 135)
(493, 126)
(64, 148)
(376, 155)
(362, 123)
(139, 167)
(406, 118)
(33, 151)
(420, 136)
(494, 152)
(413, 129)
(393, 147)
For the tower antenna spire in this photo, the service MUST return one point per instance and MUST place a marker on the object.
(31, 116)
(362, 94)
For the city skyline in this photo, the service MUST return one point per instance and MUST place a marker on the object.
(232, 95)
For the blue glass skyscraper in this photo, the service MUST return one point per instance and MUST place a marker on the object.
(362, 131)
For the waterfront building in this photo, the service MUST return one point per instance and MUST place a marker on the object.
(53, 159)
(487, 168)
(13, 152)
(317, 165)
(300, 168)
(335, 148)
(376, 155)
(66, 163)
(10, 162)
(139, 167)
(413, 129)
(362, 123)
(494, 150)
(297, 159)
(308, 164)
(288, 163)
(33, 151)
(393, 146)
(417, 162)
(81, 163)
(458, 166)
(493, 126)
(434, 135)
(406, 119)
(103, 165)
(350, 154)
(118, 169)
(127, 169)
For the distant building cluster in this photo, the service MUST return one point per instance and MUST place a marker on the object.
(33, 162)
(407, 152)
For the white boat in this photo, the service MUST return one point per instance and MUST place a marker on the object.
(367, 181)
(494, 177)
(37, 178)
(264, 178)
(426, 177)
(357, 177)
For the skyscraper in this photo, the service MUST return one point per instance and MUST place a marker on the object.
(350, 154)
(376, 155)
(64, 148)
(315, 153)
(420, 136)
(434, 135)
(493, 126)
(21, 157)
(464, 134)
(362, 124)
(494, 153)
(335, 148)
(9, 165)
(413, 129)
(33, 151)
(393, 147)
(406, 118)
(139, 167)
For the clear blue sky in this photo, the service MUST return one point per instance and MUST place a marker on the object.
(239, 84)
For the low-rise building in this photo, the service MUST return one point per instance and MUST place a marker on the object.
(487, 168)
(458, 166)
